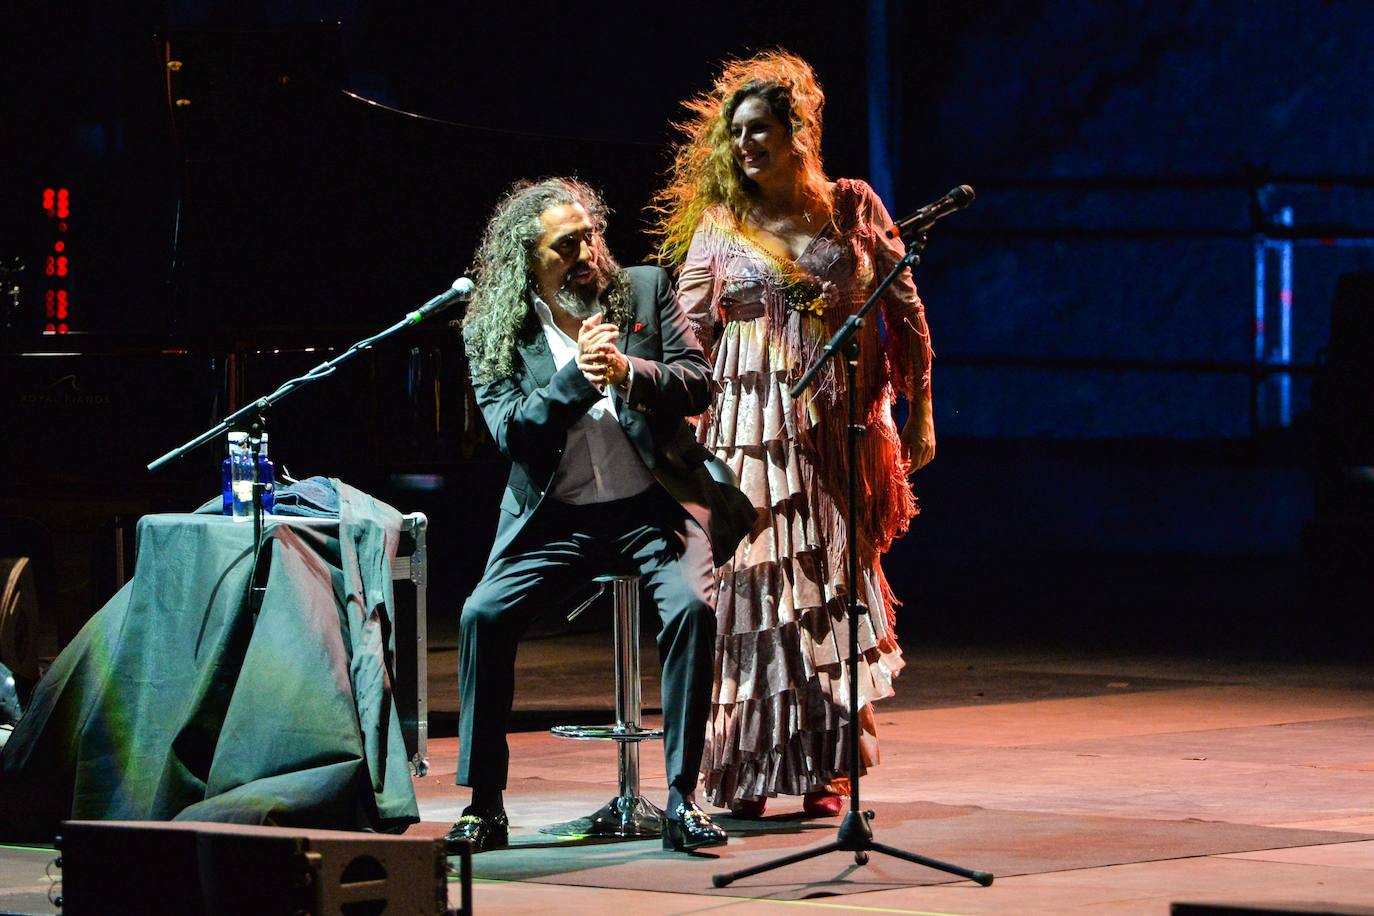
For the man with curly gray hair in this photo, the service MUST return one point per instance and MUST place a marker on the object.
(585, 373)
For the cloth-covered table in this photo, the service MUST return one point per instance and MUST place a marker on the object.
(177, 701)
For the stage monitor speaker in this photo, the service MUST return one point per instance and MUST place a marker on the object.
(1267, 909)
(161, 867)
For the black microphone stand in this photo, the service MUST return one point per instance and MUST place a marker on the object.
(257, 410)
(855, 833)
(255, 431)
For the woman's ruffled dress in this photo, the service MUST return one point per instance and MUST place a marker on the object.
(779, 719)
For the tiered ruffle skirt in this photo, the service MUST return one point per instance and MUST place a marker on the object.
(779, 715)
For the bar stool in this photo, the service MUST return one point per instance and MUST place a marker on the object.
(629, 814)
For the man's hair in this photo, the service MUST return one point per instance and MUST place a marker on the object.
(704, 172)
(501, 270)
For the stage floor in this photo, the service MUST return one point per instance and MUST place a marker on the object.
(1085, 781)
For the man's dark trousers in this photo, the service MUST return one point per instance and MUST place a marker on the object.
(545, 570)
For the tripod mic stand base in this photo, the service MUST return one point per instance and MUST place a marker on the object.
(856, 836)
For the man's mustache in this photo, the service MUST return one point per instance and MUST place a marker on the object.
(580, 271)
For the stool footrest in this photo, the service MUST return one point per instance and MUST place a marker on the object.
(633, 816)
(606, 732)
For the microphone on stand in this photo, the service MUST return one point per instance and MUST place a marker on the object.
(459, 291)
(924, 218)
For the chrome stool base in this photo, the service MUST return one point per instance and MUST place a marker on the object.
(635, 816)
(629, 814)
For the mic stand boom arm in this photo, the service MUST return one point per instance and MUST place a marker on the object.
(257, 409)
(261, 404)
(854, 322)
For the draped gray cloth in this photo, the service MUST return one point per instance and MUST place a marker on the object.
(176, 702)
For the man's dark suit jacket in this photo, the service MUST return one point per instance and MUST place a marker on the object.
(530, 412)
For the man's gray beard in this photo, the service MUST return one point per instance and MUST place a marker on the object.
(579, 301)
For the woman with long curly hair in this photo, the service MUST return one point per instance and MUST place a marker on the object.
(772, 257)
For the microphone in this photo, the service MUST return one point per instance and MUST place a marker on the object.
(460, 290)
(924, 218)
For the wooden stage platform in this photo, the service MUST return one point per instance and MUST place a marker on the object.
(1087, 782)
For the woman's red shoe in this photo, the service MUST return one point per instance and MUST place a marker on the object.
(822, 804)
(751, 809)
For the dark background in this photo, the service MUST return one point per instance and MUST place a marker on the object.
(1112, 468)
